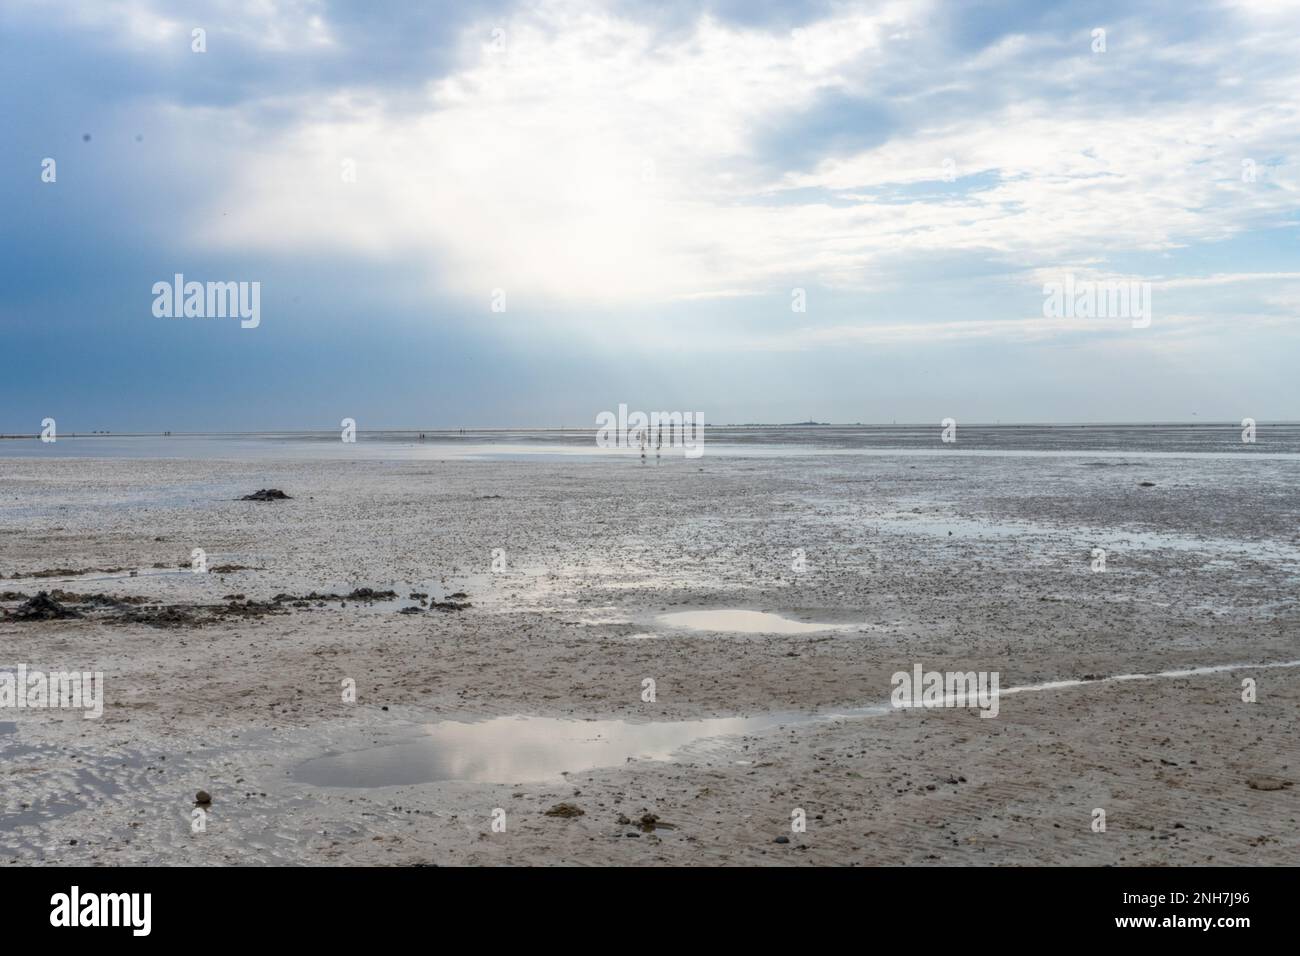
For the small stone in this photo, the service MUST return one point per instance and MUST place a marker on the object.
(203, 797)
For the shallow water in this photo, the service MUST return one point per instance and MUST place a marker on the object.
(517, 749)
(1105, 442)
(521, 749)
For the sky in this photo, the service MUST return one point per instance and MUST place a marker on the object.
(526, 213)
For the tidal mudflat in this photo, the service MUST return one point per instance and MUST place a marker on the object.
(403, 652)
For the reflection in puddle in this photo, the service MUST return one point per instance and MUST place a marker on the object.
(742, 622)
(519, 749)
(529, 749)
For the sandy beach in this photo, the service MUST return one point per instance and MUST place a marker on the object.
(531, 599)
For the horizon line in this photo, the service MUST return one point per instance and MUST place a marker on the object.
(389, 429)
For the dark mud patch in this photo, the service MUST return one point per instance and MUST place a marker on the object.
(108, 609)
(359, 595)
(443, 606)
(63, 573)
(381, 599)
(446, 606)
(57, 604)
(44, 608)
(95, 600)
(197, 615)
(267, 494)
(415, 602)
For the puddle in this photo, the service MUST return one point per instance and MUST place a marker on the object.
(743, 622)
(518, 749)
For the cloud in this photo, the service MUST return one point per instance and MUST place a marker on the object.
(579, 156)
(669, 171)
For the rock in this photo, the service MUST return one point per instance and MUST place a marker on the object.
(203, 797)
(1146, 484)
(1267, 783)
(266, 494)
(782, 839)
(565, 810)
(43, 608)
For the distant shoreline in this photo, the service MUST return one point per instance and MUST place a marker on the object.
(479, 429)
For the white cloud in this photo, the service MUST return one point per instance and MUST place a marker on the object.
(593, 161)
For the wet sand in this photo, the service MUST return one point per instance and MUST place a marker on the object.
(954, 562)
